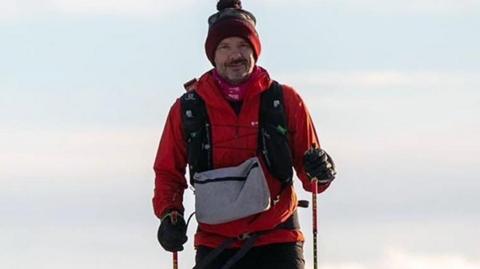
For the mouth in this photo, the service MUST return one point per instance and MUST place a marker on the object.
(237, 68)
(237, 64)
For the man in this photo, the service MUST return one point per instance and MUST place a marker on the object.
(236, 135)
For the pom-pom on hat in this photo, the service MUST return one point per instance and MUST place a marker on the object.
(231, 20)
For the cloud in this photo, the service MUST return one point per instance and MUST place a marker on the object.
(384, 79)
(399, 259)
(12, 10)
(118, 7)
(77, 154)
(388, 6)
(26, 9)
(8, 9)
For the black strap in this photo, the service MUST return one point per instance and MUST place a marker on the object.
(291, 223)
(215, 253)
(273, 134)
(197, 132)
(247, 245)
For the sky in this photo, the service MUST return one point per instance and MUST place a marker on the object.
(85, 87)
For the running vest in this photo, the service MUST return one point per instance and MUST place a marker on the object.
(272, 146)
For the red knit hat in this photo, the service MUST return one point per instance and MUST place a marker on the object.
(231, 20)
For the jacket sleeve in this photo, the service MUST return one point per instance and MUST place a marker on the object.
(302, 134)
(170, 165)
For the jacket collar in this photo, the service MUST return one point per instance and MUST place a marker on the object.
(210, 92)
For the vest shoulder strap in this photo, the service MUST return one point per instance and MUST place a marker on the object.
(196, 130)
(273, 134)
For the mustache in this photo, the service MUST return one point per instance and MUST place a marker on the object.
(237, 61)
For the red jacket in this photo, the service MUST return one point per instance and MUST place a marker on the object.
(234, 139)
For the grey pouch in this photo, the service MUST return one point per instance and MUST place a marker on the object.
(231, 193)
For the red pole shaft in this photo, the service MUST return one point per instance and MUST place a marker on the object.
(314, 221)
(175, 253)
(175, 260)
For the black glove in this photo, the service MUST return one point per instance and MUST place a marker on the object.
(172, 235)
(318, 164)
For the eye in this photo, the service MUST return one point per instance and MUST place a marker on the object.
(223, 46)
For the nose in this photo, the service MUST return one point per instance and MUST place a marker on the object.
(236, 54)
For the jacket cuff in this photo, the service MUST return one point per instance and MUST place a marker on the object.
(169, 212)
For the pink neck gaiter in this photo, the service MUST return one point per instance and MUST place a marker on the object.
(235, 92)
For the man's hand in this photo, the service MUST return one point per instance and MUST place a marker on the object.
(172, 233)
(319, 165)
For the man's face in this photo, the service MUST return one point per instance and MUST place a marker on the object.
(234, 59)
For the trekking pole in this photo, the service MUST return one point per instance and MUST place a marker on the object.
(175, 253)
(175, 260)
(314, 186)
(314, 220)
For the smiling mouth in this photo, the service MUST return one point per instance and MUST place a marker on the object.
(237, 63)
